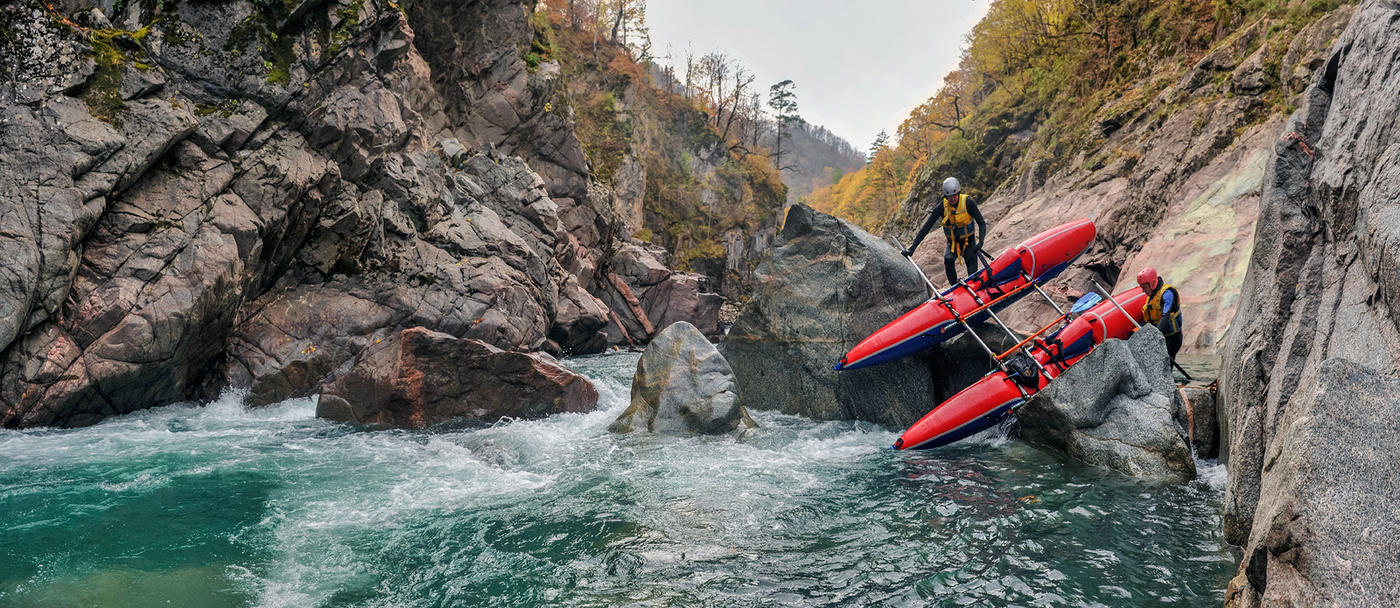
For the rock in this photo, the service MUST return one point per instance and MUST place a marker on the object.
(1325, 530)
(1114, 408)
(1324, 277)
(1308, 50)
(1252, 77)
(421, 378)
(1198, 417)
(683, 385)
(826, 286)
(681, 297)
(195, 217)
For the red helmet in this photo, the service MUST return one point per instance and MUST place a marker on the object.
(1147, 279)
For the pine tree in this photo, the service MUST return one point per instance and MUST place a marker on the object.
(782, 98)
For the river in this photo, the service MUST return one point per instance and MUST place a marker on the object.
(217, 505)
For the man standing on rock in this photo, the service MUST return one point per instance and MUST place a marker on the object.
(957, 217)
(1163, 308)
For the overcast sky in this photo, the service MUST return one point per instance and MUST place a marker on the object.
(860, 65)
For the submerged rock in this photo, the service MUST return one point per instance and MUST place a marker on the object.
(421, 377)
(1115, 408)
(826, 286)
(683, 385)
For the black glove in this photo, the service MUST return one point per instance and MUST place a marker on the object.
(908, 253)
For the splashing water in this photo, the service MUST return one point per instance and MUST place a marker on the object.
(225, 506)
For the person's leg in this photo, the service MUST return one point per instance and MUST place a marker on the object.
(949, 264)
(970, 258)
(1173, 344)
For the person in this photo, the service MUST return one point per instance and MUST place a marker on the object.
(1163, 308)
(958, 215)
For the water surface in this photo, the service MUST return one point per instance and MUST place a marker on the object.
(218, 505)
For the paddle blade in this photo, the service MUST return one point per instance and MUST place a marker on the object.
(1085, 302)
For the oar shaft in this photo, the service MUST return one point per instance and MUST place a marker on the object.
(1031, 337)
(962, 321)
(1108, 295)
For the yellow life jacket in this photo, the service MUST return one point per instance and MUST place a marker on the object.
(1152, 310)
(957, 223)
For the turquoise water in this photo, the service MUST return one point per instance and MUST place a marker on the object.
(223, 506)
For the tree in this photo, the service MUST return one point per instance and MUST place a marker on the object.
(782, 99)
(882, 141)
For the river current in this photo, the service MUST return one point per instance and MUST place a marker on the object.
(217, 505)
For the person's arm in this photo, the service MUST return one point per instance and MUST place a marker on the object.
(981, 224)
(933, 218)
(1165, 322)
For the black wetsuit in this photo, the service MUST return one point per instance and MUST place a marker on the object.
(969, 253)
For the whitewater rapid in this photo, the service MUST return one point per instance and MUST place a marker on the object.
(222, 505)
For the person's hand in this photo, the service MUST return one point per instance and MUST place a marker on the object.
(908, 253)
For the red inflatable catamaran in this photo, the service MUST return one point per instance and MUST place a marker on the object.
(1002, 391)
(1008, 277)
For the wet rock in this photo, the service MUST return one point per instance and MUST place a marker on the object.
(826, 286)
(1198, 417)
(1325, 527)
(683, 385)
(421, 378)
(1114, 408)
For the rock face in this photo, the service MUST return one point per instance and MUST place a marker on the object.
(683, 385)
(1325, 530)
(420, 378)
(247, 194)
(1323, 284)
(826, 286)
(1115, 408)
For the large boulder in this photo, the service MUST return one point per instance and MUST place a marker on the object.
(826, 286)
(1324, 277)
(422, 377)
(683, 385)
(1115, 408)
(1326, 532)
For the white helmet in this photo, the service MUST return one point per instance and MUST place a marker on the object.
(951, 187)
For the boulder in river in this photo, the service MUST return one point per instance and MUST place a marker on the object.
(421, 377)
(683, 385)
(1115, 408)
(826, 286)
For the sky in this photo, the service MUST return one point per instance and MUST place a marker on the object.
(860, 65)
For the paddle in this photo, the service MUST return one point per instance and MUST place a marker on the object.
(1084, 303)
(932, 290)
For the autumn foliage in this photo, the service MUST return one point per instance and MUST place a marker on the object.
(1043, 72)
